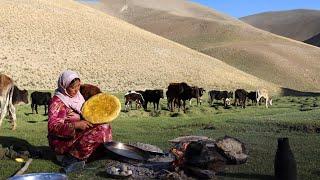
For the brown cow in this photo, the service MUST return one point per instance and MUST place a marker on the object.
(133, 96)
(240, 97)
(88, 90)
(177, 92)
(9, 96)
(197, 93)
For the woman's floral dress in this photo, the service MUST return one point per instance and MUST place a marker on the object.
(64, 138)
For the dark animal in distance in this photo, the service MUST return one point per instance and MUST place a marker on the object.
(89, 90)
(152, 96)
(40, 98)
(133, 96)
(220, 95)
(240, 97)
(178, 92)
(285, 166)
(9, 96)
(252, 95)
(197, 93)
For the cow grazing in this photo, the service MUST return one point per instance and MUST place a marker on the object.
(252, 95)
(264, 93)
(9, 96)
(197, 93)
(88, 90)
(133, 96)
(40, 98)
(240, 97)
(152, 96)
(220, 95)
(178, 92)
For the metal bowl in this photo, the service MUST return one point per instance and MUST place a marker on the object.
(40, 176)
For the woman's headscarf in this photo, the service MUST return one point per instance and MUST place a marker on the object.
(64, 81)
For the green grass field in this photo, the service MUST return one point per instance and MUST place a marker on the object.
(295, 117)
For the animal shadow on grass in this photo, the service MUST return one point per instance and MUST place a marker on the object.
(216, 105)
(32, 121)
(248, 176)
(37, 152)
(27, 114)
(46, 120)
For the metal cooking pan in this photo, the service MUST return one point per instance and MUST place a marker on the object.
(127, 151)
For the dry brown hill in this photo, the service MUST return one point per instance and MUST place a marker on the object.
(277, 59)
(299, 24)
(41, 38)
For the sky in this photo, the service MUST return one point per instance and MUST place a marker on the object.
(240, 8)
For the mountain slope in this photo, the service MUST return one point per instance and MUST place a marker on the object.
(41, 38)
(315, 40)
(299, 24)
(270, 57)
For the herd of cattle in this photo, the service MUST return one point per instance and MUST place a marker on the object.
(177, 94)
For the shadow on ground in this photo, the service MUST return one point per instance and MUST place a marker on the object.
(248, 176)
(39, 152)
(292, 92)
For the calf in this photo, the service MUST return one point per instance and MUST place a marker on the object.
(252, 95)
(40, 98)
(264, 93)
(133, 96)
(88, 90)
(220, 95)
(240, 97)
(152, 96)
(9, 96)
(197, 93)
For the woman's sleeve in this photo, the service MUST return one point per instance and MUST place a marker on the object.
(57, 124)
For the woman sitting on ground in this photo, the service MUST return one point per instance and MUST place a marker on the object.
(71, 137)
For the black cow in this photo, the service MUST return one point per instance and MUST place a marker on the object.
(197, 93)
(252, 95)
(40, 98)
(178, 92)
(240, 97)
(152, 96)
(220, 95)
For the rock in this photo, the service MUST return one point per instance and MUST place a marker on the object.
(232, 149)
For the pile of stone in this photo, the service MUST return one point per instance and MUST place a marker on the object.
(190, 157)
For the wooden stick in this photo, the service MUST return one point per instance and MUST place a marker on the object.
(24, 168)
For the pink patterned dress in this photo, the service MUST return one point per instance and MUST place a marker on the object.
(64, 138)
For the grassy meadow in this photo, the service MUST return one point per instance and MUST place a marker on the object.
(295, 117)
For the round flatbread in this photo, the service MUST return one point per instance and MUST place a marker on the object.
(101, 108)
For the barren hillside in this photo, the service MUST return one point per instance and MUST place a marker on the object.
(268, 56)
(41, 38)
(299, 24)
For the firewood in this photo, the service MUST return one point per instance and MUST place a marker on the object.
(25, 167)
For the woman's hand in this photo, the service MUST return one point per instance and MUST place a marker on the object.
(82, 125)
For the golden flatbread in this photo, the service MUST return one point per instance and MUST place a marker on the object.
(101, 108)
